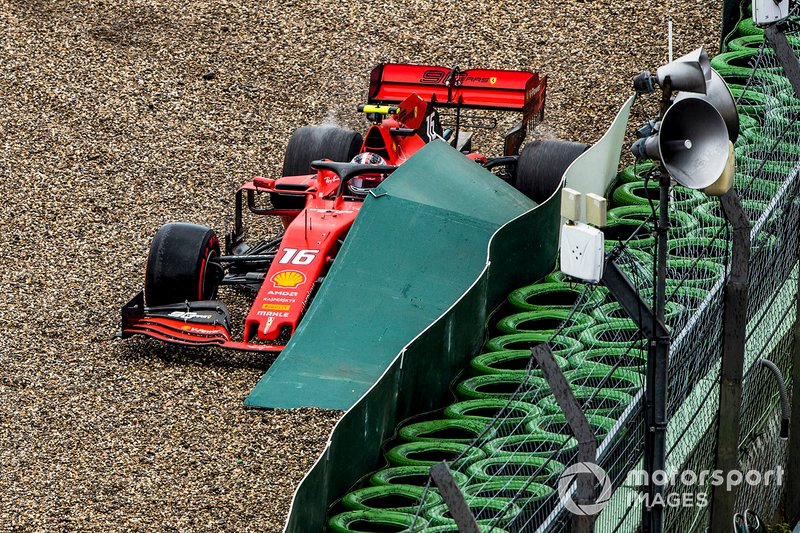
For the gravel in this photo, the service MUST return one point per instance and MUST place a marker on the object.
(117, 117)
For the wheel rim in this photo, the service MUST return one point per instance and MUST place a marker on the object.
(207, 286)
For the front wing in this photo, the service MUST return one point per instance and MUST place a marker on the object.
(203, 323)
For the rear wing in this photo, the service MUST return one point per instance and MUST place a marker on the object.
(504, 90)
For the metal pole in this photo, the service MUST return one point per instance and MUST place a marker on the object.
(577, 422)
(783, 51)
(723, 501)
(792, 503)
(454, 498)
(656, 386)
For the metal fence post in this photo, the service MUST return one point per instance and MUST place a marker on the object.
(783, 51)
(792, 503)
(454, 498)
(576, 419)
(723, 501)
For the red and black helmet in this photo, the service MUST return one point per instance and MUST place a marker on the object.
(360, 184)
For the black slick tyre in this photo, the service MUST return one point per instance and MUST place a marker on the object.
(311, 143)
(178, 266)
(541, 166)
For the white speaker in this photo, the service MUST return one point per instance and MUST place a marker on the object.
(769, 11)
(687, 73)
(691, 141)
(719, 95)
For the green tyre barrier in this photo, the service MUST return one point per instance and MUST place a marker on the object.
(750, 102)
(748, 136)
(595, 376)
(717, 250)
(524, 491)
(775, 166)
(680, 222)
(453, 528)
(711, 232)
(375, 522)
(545, 321)
(604, 402)
(635, 193)
(770, 83)
(398, 498)
(748, 27)
(554, 295)
(430, 453)
(487, 511)
(614, 311)
(638, 236)
(783, 119)
(761, 82)
(633, 359)
(691, 297)
(527, 494)
(601, 425)
(410, 475)
(516, 467)
(555, 276)
(513, 362)
(637, 264)
(766, 149)
(511, 413)
(751, 188)
(746, 122)
(694, 273)
(635, 172)
(538, 443)
(740, 62)
(710, 213)
(617, 333)
(560, 344)
(788, 97)
(746, 42)
(451, 430)
(508, 386)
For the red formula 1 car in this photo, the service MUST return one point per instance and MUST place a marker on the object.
(327, 173)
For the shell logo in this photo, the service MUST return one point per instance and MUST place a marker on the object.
(288, 279)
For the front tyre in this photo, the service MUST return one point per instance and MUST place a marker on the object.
(178, 267)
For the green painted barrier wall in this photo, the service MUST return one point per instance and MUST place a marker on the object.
(732, 13)
(419, 375)
(416, 248)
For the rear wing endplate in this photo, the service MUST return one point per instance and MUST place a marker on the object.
(494, 89)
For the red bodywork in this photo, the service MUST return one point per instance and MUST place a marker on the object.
(312, 238)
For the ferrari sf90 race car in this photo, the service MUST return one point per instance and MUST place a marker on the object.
(327, 174)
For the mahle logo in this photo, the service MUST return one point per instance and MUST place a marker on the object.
(566, 496)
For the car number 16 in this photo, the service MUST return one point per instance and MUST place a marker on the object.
(293, 256)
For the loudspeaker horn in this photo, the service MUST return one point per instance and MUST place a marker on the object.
(687, 73)
(719, 95)
(692, 142)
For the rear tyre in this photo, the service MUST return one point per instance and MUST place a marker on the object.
(178, 265)
(541, 166)
(308, 144)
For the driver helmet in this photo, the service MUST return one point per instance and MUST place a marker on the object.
(360, 184)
